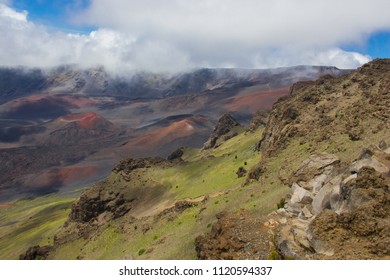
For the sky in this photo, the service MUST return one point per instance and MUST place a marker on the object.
(177, 35)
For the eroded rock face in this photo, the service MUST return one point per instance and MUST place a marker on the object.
(338, 211)
(91, 204)
(225, 124)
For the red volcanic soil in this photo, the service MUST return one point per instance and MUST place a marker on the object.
(257, 100)
(85, 120)
(5, 206)
(73, 174)
(166, 134)
(64, 176)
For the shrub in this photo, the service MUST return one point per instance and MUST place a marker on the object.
(274, 255)
(141, 252)
(281, 203)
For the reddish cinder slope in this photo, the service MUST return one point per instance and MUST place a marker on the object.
(256, 100)
(84, 120)
(161, 139)
(57, 177)
(166, 134)
(72, 174)
(82, 128)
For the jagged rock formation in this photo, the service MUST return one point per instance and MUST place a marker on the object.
(225, 125)
(95, 202)
(338, 211)
(259, 119)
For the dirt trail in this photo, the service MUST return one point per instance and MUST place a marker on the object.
(167, 204)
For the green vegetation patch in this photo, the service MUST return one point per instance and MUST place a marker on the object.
(31, 222)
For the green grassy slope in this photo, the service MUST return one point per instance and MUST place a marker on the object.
(32, 222)
(208, 178)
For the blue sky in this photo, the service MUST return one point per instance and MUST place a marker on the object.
(173, 35)
(376, 45)
(54, 14)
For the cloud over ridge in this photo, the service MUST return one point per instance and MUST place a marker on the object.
(174, 35)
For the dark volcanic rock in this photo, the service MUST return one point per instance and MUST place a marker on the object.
(92, 203)
(241, 172)
(225, 124)
(130, 164)
(36, 253)
(176, 154)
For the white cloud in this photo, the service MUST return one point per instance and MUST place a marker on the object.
(174, 35)
(11, 15)
(331, 56)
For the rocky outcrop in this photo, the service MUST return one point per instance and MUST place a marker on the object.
(104, 201)
(177, 154)
(241, 172)
(92, 203)
(259, 119)
(337, 211)
(224, 126)
(130, 164)
(36, 253)
(355, 105)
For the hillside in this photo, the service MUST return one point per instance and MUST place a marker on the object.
(322, 158)
(146, 205)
